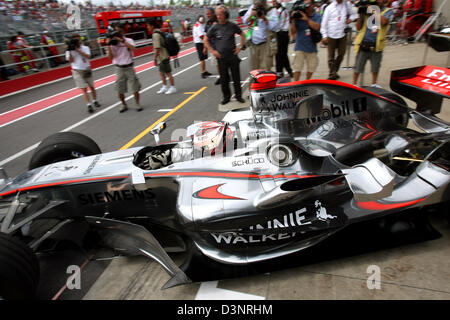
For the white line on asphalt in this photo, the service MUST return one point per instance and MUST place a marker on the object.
(56, 104)
(242, 85)
(164, 110)
(19, 154)
(96, 114)
(44, 84)
(209, 291)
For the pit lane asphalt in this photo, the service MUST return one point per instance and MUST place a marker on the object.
(112, 130)
(415, 271)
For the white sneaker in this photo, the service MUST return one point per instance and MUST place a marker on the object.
(163, 89)
(171, 90)
(374, 85)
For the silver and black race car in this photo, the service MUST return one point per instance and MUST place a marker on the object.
(306, 160)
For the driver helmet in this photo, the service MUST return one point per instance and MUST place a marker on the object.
(212, 136)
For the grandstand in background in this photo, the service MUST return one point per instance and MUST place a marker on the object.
(33, 17)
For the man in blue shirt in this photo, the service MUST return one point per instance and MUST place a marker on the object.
(305, 49)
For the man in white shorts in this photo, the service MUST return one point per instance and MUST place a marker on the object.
(305, 49)
(81, 70)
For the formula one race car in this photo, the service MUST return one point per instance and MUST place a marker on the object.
(306, 160)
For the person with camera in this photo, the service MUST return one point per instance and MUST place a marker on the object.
(226, 52)
(78, 55)
(371, 38)
(281, 57)
(261, 22)
(304, 19)
(120, 51)
(337, 16)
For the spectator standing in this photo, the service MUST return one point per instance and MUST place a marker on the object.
(120, 51)
(305, 50)
(18, 55)
(81, 71)
(23, 43)
(199, 33)
(370, 42)
(260, 24)
(226, 52)
(212, 20)
(281, 58)
(161, 52)
(335, 19)
(166, 27)
(46, 40)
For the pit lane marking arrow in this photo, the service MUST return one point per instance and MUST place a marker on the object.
(209, 291)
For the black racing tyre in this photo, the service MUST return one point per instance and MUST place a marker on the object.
(19, 269)
(402, 119)
(63, 146)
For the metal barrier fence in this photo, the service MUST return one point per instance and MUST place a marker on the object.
(44, 58)
(97, 49)
(57, 36)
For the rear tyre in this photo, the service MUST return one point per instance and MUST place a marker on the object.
(19, 269)
(401, 119)
(63, 146)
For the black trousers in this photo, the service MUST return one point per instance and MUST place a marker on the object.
(281, 58)
(232, 64)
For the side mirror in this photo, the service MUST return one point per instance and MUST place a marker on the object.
(309, 107)
(157, 130)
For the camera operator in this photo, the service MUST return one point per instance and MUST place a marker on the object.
(371, 38)
(303, 19)
(120, 51)
(337, 16)
(260, 23)
(78, 55)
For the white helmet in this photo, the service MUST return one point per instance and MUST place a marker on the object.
(210, 135)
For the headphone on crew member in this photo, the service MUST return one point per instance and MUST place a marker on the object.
(227, 14)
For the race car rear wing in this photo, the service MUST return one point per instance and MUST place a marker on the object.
(426, 85)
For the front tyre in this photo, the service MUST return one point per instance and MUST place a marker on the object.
(19, 269)
(63, 146)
